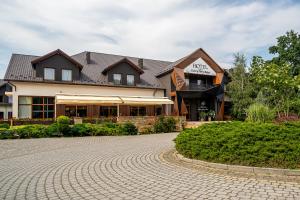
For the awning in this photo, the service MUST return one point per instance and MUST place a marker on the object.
(126, 100)
(84, 99)
(146, 100)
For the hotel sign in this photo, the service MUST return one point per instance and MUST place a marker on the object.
(200, 67)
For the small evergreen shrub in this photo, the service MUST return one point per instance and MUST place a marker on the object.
(164, 125)
(258, 112)
(129, 128)
(63, 125)
(79, 130)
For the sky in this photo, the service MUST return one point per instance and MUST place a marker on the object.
(157, 29)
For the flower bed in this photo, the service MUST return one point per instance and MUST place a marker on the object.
(243, 143)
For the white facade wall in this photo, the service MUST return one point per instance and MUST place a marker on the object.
(5, 110)
(47, 89)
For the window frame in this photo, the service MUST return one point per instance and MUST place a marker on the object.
(133, 83)
(62, 75)
(113, 77)
(45, 107)
(45, 69)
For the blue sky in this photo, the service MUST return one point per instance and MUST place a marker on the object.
(167, 30)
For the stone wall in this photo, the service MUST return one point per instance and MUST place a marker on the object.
(148, 121)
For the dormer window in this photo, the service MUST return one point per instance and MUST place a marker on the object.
(130, 79)
(49, 74)
(117, 79)
(66, 75)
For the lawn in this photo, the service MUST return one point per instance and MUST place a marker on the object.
(243, 143)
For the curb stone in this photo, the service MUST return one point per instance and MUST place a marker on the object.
(276, 174)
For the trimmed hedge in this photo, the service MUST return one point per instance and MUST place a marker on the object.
(243, 143)
(62, 128)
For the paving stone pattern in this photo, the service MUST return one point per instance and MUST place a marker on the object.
(125, 167)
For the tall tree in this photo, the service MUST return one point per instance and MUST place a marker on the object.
(288, 51)
(240, 89)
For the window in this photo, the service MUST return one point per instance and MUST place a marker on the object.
(49, 74)
(9, 115)
(1, 99)
(137, 111)
(117, 79)
(1, 115)
(25, 108)
(9, 99)
(108, 111)
(199, 82)
(130, 79)
(42, 107)
(76, 111)
(187, 82)
(158, 111)
(66, 75)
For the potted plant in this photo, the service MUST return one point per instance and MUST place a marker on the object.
(202, 115)
(211, 115)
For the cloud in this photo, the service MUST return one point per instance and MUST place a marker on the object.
(157, 29)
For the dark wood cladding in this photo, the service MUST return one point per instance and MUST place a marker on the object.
(60, 110)
(124, 69)
(58, 63)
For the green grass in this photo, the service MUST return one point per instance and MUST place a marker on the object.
(243, 143)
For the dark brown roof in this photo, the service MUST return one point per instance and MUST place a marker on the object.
(121, 61)
(20, 69)
(56, 52)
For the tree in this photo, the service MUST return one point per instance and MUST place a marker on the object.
(240, 88)
(276, 83)
(288, 51)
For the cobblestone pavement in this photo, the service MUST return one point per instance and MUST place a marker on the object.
(126, 167)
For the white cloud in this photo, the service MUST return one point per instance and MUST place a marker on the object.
(167, 29)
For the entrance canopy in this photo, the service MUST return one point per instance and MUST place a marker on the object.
(129, 100)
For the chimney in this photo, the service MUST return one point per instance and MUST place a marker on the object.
(88, 57)
(141, 63)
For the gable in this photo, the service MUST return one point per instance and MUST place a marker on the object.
(123, 61)
(199, 67)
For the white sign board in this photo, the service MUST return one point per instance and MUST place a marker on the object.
(199, 66)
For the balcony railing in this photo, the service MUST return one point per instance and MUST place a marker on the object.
(196, 87)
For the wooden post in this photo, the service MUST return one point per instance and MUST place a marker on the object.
(118, 112)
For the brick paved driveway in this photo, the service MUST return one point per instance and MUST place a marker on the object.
(117, 168)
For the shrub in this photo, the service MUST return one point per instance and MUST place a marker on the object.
(30, 131)
(7, 134)
(63, 125)
(129, 128)
(85, 129)
(53, 131)
(243, 143)
(164, 125)
(4, 125)
(258, 112)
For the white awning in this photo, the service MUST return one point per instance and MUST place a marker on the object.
(84, 99)
(126, 100)
(146, 100)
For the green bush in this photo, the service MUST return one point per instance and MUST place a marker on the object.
(53, 131)
(30, 131)
(258, 112)
(63, 125)
(7, 134)
(164, 125)
(80, 130)
(4, 125)
(243, 143)
(129, 128)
